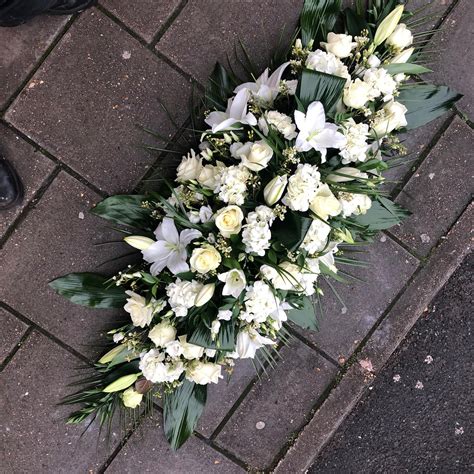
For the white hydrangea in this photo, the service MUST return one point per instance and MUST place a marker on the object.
(256, 233)
(354, 204)
(302, 187)
(182, 295)
(279, 121)
(381, 83)
(356, 146)
(316, 237)
(328, 63)
(260, 303)
(232, 184)
(156, 370)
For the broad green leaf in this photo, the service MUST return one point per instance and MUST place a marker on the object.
(325, 88)
(383, 214)
(219, 88)
(225, 340)
(354, 22)
(406, 68)
(124, 210)
(426, 102)
(292, 230)
(181, 411)
(305, 316)
(88, 289)
(317, 19)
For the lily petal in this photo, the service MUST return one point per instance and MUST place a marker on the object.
(188, 235)
(177, 263)
(170, 233)
(315, 116)
(238, 107)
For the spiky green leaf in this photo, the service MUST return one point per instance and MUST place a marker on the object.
(317, 19)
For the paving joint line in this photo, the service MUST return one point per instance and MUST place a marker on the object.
(403, 245)
(167, 24)
(17, 347)
(38, 64)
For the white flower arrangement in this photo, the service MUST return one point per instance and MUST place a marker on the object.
(260, 212)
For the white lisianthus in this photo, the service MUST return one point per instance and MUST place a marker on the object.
(205, 259)
(205, 214)
(229, 220)
(381, 83)
(260, 302)
(234, 282)
(174, 349)
(256, 234)
(255, 156)
(189, 168)
(215, 327)
(356, 94)
(182, 295)
(373, 61)
(232, 184)
(274, 190)
(392, 118)
(224, 315)
(356, 145)
(163, 333)
(156, 370)
(327, 63)
(279, 121)
(354, 204)
(204, 373)
(208, 175)
(402, 57)
(193, 217)
(325, 204)
(302, 187)
(400, 38)
(141, 312)
(190, 351)
(340, 45)
(131, 398)
(249, 341)
(206, 293)
(317, 236)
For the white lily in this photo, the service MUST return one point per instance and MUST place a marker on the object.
(249, 341)
(170, 248)
(265, 88)
(315, 133)
(235, 113)
(234, 282)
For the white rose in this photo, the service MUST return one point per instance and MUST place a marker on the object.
(255, 156)
(301, 187)
(402, 57)
(234, 282)
(203, 373)
(162, 333)
(189, 168)
(357, 94)
(340, 45)
(190, 351)
(205, 258)
(140, 312)
(208, 175)
(393, 118)
(325, 204)
(229, 220)
(131, 398)
(274, 190)
(401, 37)
(206, 293)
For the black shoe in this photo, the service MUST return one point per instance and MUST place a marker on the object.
(67, 7)
(11, 189)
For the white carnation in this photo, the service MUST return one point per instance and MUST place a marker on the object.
(256, 234)
(381, 83)
(280, 122)
(182, 295)
(302, 187)
(327, 63)
(356, 146)
(354, 204)
(156, 370)
(260, 303)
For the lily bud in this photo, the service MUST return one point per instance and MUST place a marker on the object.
(139, 242)
(131, 398)
(403, 57)
(274, 189)
(121, 383)
(110, 356)
(348, 172)
(206, 293)
(388, 25)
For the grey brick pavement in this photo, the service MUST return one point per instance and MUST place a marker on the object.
(73, 91)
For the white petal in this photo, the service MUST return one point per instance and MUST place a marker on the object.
(300, 119)
(239, 105)
(215, 118)
(251, 86)
(224, 125)
(159, 251)
(250, 119)
(157, 267)
(188, 235)
(328, 138)
(275, 78)
(177, 264)
(315, 115)
(170, 233)
(301, 143)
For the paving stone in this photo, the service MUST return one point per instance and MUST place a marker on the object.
(221, 397)
(35, 437)
(22, 47)
(145, 18)
(343, 327)
(439, 191)
(455, 58)
(148, 451)
(208, 29)
(282, 403)
(31, 165)
(104, 85)
(57, 238)
(11, 333)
